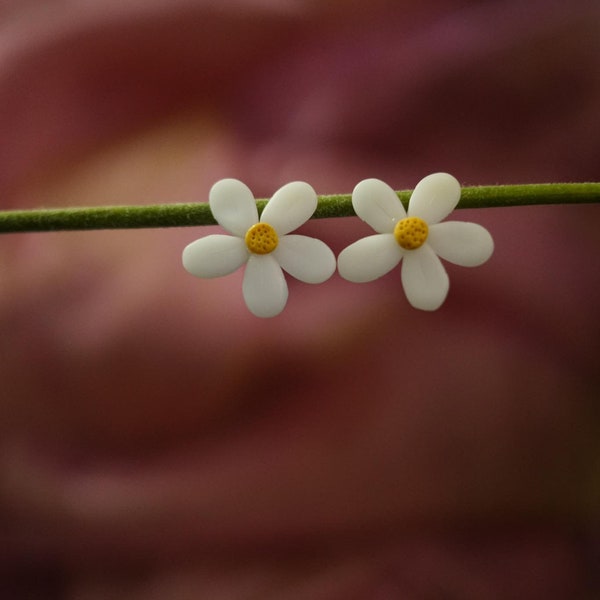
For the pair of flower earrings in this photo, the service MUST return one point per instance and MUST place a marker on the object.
(416, 237)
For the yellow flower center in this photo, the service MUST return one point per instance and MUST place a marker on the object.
(261, 238)
(411, 233)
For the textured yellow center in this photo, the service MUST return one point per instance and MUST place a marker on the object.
(261, 238)
(411, 233)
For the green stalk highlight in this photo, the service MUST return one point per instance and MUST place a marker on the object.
(336, 205)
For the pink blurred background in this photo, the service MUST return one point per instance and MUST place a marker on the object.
(158, 441)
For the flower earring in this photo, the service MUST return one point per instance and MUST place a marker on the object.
(263, 245)
(417, 238)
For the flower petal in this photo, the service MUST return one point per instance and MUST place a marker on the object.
(264, 287)
(233, 206)
(214, 256)
(424, 278)
(289, 207)
(378, 204)
(369, 258)
(434, 197)
(305, 258)
(465, 244)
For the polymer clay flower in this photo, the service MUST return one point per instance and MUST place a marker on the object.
(417, 238)
(263, 245)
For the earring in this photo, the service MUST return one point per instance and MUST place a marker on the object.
(416, 237)
(263, 245)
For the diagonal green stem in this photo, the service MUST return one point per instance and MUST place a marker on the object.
(338, 205)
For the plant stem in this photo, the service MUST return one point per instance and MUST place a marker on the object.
(338, 205)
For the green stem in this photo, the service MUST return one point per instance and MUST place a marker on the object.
(339, 205)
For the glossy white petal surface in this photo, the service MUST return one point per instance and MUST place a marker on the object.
(424, 278)
(264, 287)
(214, 256)
(369, 258)
(233, 206)
(378, 204)
(465, 244)
(305, 258)
(291, 206)
(434, 197)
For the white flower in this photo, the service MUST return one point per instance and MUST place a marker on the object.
(416, 238)
(264, 245)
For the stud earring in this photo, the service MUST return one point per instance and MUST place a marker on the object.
(263, 245)
(416, 237)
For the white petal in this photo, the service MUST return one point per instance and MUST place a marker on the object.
(290, 206)
(233, 206)
(264, 287)
(369, 258)
(305, 258)
(434, 197)
(378, 204)
(465, 244)
(424, 278)
(214, 256)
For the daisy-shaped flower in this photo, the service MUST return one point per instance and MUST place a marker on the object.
(416, 238)
(263, 245)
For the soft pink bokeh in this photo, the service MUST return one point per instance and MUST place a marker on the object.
(158, 441)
